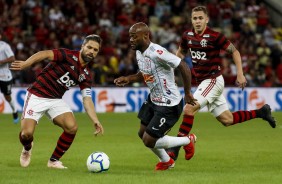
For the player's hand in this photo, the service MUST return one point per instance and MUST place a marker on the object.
(99, 129)
(190, 99)
(121, 81)
(241, 81)
(17, 65)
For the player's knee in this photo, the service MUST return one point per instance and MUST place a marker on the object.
(148, 143)
(226, 122)
(189, 110)
(148, 140)
(225, 118)
(140, 134)
(7, 98)
(71, 130)
(26, 135)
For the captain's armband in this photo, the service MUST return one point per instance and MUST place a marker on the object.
(86, 92)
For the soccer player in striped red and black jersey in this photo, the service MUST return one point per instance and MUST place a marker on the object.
(200, 48)
(66, 68)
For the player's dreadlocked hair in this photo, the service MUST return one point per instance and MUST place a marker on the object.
(93, 37)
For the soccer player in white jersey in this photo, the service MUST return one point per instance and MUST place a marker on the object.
(164, 105)
(6, 79)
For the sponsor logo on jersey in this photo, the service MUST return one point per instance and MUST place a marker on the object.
(166, 88)
(190, 33)
(74, 58)
(30, 112)
(86, 71)
(72, 67)
(157, 99)
(206, 36)
(148, 78)
(66, 80)
(160, 52)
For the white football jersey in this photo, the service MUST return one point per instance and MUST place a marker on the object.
(157, 66)
(5, 52)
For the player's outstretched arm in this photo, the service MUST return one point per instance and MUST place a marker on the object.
(90, 110)
(124, 80)
(37, 57)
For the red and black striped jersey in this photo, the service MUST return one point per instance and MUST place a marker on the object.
(205, 50)
(60, 74)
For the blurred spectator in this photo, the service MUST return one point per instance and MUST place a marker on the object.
(275, 56)
(269, 35)
(166, 35)
(263, 52)
(32, 25)
(262, 18)
(278, 73)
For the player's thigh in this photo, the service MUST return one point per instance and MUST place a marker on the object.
(209, 91)
(146, 112)
(163, 120)
(219, 106)
(141, 130)
(35, 107)
(61, 114)
(66, 121)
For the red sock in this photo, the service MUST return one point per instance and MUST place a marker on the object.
(241, 116)
(63, 145)
(186, 125)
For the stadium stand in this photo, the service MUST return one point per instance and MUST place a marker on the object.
(33, 25)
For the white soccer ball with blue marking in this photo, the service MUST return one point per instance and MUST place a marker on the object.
(98, 162)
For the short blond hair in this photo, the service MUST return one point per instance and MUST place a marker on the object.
(200, 8)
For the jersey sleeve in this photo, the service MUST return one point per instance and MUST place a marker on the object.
(59, 54)
(166, 57)
(222, 42)
(183, 42)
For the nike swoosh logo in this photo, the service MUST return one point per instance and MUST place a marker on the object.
(155, 128)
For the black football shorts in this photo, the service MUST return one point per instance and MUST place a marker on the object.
(6, 87)
(159, 119)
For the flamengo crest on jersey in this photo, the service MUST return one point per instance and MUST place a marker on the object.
(204, 43)
(157, 67)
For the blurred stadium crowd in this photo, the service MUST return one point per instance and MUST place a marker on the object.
(33, 25)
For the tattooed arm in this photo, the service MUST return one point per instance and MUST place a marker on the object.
(241, 80)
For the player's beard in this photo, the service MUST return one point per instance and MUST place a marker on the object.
(86, 58)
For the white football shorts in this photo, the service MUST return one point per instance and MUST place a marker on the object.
(35, 107)
(210, 93)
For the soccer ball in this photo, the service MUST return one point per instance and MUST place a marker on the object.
(98, 162)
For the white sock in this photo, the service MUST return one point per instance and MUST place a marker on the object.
(161, 153)
(169, 142)
(12, 104)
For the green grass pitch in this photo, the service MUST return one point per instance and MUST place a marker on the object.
(245, 153)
